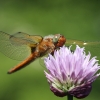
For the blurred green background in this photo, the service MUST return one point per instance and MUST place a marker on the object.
(75, 19)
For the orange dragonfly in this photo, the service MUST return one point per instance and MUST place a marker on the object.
(22, 46)
(27, 48)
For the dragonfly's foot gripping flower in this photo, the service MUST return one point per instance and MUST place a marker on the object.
(71, 72)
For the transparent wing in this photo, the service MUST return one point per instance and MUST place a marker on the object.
(93, 47)
(41, 60)
(15, 46)
(21, 38)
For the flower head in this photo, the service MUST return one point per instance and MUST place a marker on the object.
(71, 72)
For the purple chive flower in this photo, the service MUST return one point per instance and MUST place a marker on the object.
(71, 73)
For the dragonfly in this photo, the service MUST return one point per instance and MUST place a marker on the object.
(27, 48)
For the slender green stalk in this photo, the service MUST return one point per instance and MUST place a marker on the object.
(69, 97)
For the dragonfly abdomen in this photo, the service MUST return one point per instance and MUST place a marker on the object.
(24, 63)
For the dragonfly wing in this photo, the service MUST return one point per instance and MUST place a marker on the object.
(41, 60)
(10, 49)
(21, 38)
(93, 47)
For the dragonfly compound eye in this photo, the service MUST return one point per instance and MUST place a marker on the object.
(61, 41)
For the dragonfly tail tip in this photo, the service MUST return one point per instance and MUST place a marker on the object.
(8, 72)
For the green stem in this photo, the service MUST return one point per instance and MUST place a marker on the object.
(69, 97)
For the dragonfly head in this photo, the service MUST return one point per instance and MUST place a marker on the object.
(59, 40)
